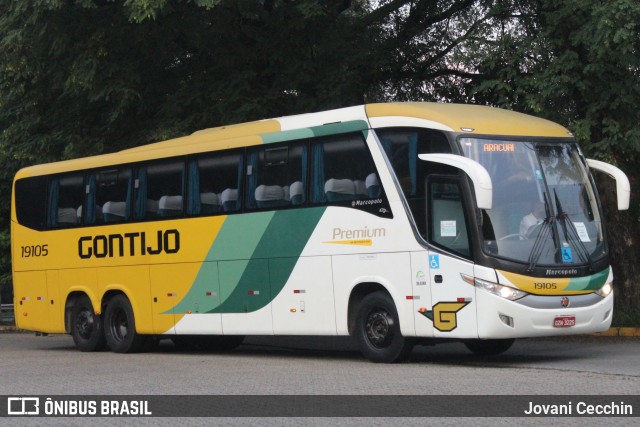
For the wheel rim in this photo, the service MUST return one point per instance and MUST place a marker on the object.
(84, 323)
(120, 326)
(379, 328)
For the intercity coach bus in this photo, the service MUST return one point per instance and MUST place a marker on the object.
(397, 223)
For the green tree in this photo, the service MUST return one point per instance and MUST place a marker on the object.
(83, 77)
(576, 63)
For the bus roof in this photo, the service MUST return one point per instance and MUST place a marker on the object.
(472, 119)
(477, 119)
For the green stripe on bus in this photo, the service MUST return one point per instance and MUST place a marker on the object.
(239, 236)
(256, 254)
(588, 283)
(315, 131)
(236, 240)
(339, 128)
(272, 262)
(287, 135)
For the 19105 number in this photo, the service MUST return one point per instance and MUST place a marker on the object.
(35, 251)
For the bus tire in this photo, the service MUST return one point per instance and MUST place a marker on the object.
(86, 326)
(489, 347)
(378, 330)
(120, 327)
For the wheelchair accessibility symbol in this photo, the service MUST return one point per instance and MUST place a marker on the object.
(566, 255)
(434, 261)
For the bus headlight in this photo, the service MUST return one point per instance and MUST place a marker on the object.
(605, 290)
(506, 292)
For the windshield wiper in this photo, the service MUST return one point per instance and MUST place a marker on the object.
(571, 234)
(545, 228)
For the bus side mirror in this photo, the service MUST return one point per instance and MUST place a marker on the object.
(478, 174)
(623, 188)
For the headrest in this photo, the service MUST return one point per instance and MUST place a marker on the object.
(296, 189)
(230, 194)
(372, 179)
(269, 192)
(114, 208)
(344, 186)
(209, 198)
(170, 202)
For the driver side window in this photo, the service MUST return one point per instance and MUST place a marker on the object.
(448, 227)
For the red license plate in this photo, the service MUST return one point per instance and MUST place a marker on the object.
(564, 321)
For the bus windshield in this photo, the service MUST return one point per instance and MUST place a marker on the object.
(545, 210)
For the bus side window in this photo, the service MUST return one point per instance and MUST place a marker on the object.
(31, 201)
(276, 176)
(109, 198)
(160, 190)
(214, 183)
(343, 170)
(448, 227)
(66, 196)
(402, 147)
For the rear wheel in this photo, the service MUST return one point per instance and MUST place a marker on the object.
(120, 327)
(378, 330)
(489, 347)
(86, 326)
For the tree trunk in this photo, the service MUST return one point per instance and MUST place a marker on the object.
(624, 246)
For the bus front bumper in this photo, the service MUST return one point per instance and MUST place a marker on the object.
(501, 318)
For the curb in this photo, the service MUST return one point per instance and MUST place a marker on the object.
(620, 332)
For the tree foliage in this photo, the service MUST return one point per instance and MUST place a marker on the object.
(82, 77)
(576, 63)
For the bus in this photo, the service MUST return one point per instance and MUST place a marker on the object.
(398, 224)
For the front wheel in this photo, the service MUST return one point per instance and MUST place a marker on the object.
(86, 326)
(378, 330)
(489, 347)
(120, 327)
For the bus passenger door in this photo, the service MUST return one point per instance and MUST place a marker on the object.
(421, 293)
(453, 307)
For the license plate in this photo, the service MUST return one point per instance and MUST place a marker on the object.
(564, 321)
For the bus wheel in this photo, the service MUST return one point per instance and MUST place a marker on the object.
(120, 327)
(378, 330)
(86, 326)
(489, 347)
